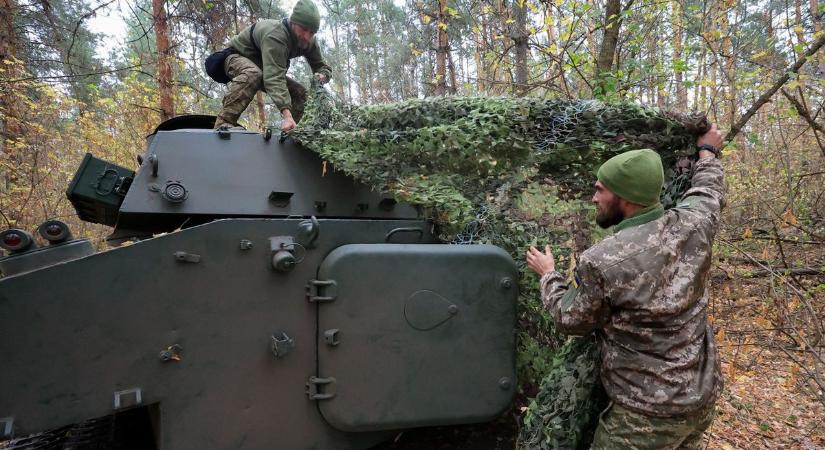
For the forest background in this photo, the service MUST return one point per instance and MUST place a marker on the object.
(756, 67)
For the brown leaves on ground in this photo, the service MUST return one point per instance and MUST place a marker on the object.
(770, 400)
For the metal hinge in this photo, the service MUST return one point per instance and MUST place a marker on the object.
(321, 290)
(313, 388)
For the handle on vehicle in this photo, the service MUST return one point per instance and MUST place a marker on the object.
(405, 230)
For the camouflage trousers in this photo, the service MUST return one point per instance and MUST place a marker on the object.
(621, 428)
(247, 80)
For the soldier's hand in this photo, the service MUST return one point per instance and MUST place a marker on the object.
(541, 263)
(713, 137)
(287, 124)
(322, 78)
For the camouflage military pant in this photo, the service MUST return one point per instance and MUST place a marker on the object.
(622, 428)
(247, 80)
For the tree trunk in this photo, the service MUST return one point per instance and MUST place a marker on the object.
(612, 23)
(166, 90)
(361, 34)
(798, 29)
(259, 102)
(729, 69)
(453, 80)
(9, 125)
(681, 91)
(520, 38)
(816, 18)
(478, 55)
(549, 25)
(442, 48)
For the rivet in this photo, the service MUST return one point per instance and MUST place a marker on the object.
(246, 244)
(504, 383)
(506, 283)
(452, 309)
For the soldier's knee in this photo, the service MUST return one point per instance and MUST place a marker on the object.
(254, 75)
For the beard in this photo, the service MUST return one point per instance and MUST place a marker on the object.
(611, 215)
(303, 45)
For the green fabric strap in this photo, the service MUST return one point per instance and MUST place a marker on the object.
(569, 296)
(645, 215)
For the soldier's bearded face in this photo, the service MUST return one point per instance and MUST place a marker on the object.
(608, 209)
(304, 36)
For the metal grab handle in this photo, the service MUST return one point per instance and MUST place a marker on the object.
(153, 160)
(99, 189)
(405, 230)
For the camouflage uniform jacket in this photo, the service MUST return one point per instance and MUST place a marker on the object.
(276, 45)
(644, 291)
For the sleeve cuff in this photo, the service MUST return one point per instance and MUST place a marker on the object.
(550, 277)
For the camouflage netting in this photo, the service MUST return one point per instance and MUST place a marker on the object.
(513, 173)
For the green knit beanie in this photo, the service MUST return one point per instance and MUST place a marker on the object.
(635, 176)
(306, 14)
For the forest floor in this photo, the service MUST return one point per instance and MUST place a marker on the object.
(767, 402)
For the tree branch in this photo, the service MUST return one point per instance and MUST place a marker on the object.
(803, 111)
(766, 96)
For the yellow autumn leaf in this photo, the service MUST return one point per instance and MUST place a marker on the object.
(732, 372)
(793, 373)
(442, 25)
(789, 217)
(747, 233)
(794, 304)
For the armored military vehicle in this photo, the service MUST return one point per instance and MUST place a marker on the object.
(263, 300)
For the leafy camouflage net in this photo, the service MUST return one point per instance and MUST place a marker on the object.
(513, 173)
(574, 378)
(447, 154)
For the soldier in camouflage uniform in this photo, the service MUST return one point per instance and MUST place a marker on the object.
(260, 61)
(644, 292)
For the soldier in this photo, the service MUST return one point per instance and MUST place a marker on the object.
(644, 291)
(258, 59)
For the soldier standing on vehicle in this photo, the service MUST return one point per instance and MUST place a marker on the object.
(258, 59)
(644, 291)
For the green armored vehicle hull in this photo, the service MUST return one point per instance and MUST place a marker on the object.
(266, 301)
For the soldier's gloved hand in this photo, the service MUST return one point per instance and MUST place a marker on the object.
(322, 78)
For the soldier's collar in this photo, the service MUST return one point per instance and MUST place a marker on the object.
(645, 215)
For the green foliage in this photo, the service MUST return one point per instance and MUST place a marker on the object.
(449, 154)
(564, 413)
(534, 359)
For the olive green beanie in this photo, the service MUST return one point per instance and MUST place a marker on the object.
(635, 176)
(306, 14)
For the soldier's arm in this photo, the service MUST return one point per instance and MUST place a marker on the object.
(316, 60)
(273, 56)
(580, 307)
(707, 192)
